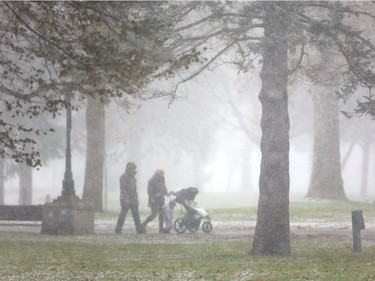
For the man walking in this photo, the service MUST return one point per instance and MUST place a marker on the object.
(128, 198)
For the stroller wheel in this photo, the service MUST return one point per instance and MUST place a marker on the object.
(193, 226)
(207, 227)
(179, 226)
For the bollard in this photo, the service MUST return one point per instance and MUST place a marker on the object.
(357, 225)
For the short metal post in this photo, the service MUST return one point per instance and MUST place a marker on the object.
(357, 225)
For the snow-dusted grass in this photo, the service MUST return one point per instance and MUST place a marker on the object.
(330, 210)
(67, 259)
(215, 256)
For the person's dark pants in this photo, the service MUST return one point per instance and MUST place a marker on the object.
(121, 218)
(156, 209)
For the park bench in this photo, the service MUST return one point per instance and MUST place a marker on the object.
(21, 213)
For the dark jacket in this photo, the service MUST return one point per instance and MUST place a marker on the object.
(156, 189)
(128, 187)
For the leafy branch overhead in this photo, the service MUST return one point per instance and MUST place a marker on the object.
(235, 31)
(103, 49)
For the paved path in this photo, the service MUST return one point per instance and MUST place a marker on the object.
(234, 230)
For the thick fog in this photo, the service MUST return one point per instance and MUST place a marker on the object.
(208, 137)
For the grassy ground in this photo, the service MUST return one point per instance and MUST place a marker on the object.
(31, 256)
(304, 210)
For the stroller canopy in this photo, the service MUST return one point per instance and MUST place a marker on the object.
(186, 194)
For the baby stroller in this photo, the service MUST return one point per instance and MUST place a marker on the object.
(194, 215)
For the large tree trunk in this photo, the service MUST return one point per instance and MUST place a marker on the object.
(93, 184)
(26, 184)
(326, 179)
(272, 231)
(2, 182)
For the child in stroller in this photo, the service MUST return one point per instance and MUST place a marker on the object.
(194, 215)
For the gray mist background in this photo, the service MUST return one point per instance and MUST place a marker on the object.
(208, 137)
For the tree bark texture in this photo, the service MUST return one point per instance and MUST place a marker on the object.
(272, 231)
(326, 179)
(95, 124)
(2, 182)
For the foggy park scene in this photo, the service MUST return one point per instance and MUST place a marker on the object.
(187, 140)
